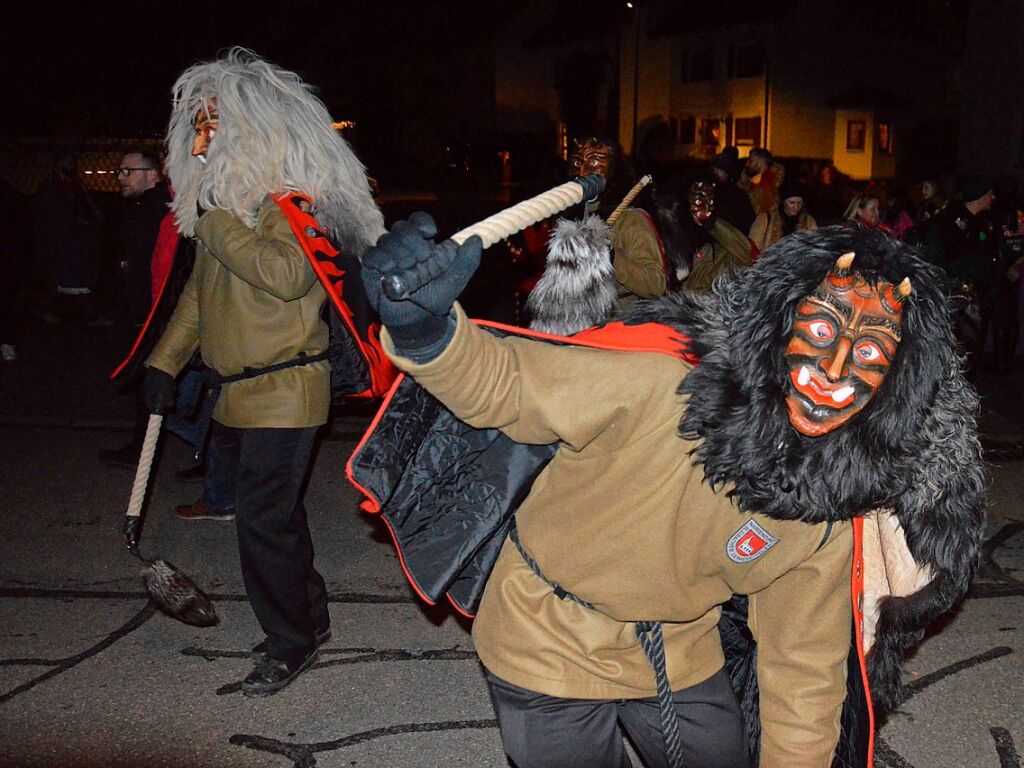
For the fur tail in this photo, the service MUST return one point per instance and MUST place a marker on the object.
(577, 289)
(901, 626)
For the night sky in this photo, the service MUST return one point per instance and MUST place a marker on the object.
(106, 69)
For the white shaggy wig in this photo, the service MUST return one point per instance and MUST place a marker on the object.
(274, 136)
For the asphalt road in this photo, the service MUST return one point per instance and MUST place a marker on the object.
(91, 675)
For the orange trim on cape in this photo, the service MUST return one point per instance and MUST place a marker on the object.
(857, 598)
(320, 251)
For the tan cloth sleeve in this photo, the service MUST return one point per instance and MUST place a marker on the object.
(734, 244)
(274, 262)
(802, 624)
(636, 256)
(181, 336)
(530, 390)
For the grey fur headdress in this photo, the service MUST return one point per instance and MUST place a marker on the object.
(274, 136)
(577, 289)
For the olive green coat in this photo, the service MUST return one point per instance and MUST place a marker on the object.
(253, 300)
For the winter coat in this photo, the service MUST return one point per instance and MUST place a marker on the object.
(729, 249)
(767, 227)
(137, 238)
(253, 300)
(622, 517)
(637, 257)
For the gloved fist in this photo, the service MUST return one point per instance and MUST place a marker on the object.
(158, 391)
(434, 273)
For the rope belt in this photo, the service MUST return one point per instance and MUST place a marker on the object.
(653, 644)
(213, 382)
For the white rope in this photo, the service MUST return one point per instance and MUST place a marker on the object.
(145, 463)
(506, 223)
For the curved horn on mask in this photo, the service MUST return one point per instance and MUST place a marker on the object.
(841, 275)
(895, 297)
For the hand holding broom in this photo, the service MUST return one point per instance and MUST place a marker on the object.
(170, 589)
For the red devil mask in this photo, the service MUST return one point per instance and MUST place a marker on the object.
(845, 336)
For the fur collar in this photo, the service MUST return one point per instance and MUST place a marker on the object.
(921, 418)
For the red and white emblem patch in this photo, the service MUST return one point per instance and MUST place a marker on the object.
(749, 543)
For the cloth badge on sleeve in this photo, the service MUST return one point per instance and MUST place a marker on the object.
(749, 543)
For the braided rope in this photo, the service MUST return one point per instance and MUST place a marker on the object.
(651, 640)
(629, 198)
(145, 464)
(653, 644)
(506, 223)
(560, 591)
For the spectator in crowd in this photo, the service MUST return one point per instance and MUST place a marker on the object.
(731, 202)
(761, 178)
(67, 242)
(788, 216)
(964, 242)
(864, 209)
(934, 196)
(896, 213)
(16, 247)
(147, 199)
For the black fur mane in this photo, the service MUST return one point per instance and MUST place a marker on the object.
(913, 448)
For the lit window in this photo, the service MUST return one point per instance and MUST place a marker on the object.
(747, 131)
(710, 131)
(855, 131)
(885, 137)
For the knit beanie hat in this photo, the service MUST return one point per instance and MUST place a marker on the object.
(976, 187)
(792, 189)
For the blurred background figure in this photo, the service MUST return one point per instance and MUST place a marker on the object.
(789, 215)
(761, 178)
(146, 205)
(864, 209)
(731, 202)
(897, 214)
(67, 239)
(15, 247)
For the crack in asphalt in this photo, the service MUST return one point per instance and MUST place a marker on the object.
(360, 655)
(887, 757)
(61, 666)
(304, 755)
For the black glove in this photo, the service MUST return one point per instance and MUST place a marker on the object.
(419, 325)
(158, 391)
(130, 530)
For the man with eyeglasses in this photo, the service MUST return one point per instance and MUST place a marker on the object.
(147, 199)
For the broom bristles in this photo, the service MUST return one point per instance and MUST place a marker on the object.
(177, 595)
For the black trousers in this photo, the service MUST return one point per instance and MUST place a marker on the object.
(539, 731)
(285, 591)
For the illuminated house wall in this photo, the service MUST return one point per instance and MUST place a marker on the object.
(780, 74)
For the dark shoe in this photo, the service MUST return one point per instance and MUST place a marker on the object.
(193, 474)
(270, 675)
(200, 510)
(322, 636)
(127, 457)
